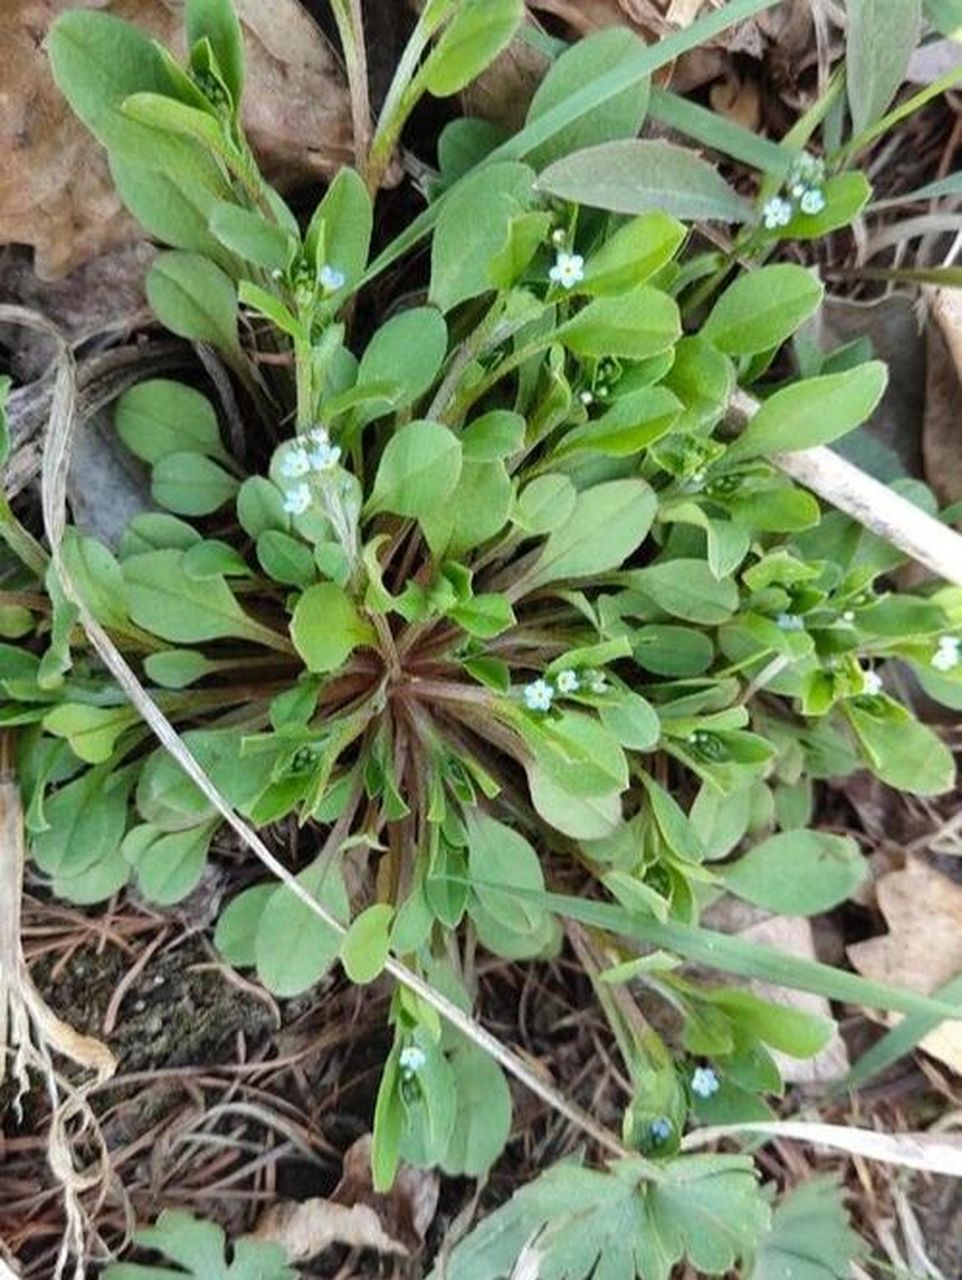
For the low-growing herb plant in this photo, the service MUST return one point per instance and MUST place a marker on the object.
(490, 595)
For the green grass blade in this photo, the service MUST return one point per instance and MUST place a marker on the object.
(630, 72)
(900, 1040)
(713, 130)
(749, 959)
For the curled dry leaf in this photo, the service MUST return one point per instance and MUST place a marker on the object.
(942, 423)
(923, 947)
(55, 189)
(356, 1215)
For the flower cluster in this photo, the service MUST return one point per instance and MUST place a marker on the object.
(947, 654)
(804, 191)
(540, 694)
(315, 454)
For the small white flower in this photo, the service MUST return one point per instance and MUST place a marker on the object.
(776, 213)
(325, 457)
(848, 616)
(567, 682)
(318, 435)
(568, 270)
(586, 398)
(559, 236)
(871, 682)
(812, 202)
(704, 1082)
(331, 279)
(797, 189)
(597, 682)
(411, 1059)
(277, 274)
(538, 695)
(789, 622)
(294, 463)
(947, 655)
(297, 500)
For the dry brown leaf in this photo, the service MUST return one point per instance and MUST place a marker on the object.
(792, 935)
(923, 947)
(739, 100)
(942, 421)
(504, 90)
(356, 1215)
(55, 190)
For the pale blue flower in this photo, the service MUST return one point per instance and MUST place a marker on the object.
(947, 655)
(411, 1059)
(812, 201)
(660, 1129)
(704, 1082)
(294, 463)
(789, 622)
(325, 457)
(776, 213)
(331, 279)
(567, 682)
(538, 695)
(297, 500)
(568, 270)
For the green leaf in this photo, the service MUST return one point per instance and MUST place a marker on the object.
(169, 604)
(505, 872)
(177, 668)
(175, 204)
(636, 1220)
(902, 752)
(880, 40)
(91, 731)
(217, 21)
(160, 416)
(621, 116)
(237, 923)
(270, 306)
(98, 61)
(346, 216)
(798, 872)
(633, 422)
(418, 470)
(634, 325)
(762, 308)
(632, 176)
(686, 589)
(285, 559)
(98, 577)
(493, 436)
(327, 627)
(251, 236)
(213, 559)
(608, 523)
(633, 721)
(472, 227)
(482, 1122)
(474, 37)
(169, 865)
(812, 412)
(169, 115)
(485, 616)
(810, 1236)
(194, 299)
(846, 195)
(287, 969)
(545, 504)
(633, 254)
(85, 823)
(406, 352)
(260, 506)
(198, 1247)
(477, 509)
(191, 485)
(365, 948)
